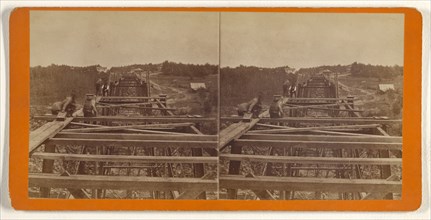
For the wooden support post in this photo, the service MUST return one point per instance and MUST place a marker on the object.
(234, 168)
(350, 103)
(148, 84)
(47, 167)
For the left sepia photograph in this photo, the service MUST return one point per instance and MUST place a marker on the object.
(123, 105)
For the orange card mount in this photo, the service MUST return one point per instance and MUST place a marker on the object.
(410, 190)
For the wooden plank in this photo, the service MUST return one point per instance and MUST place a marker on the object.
(315, 120)
(135, 143)
(125, 158)
(119, 128)
(325, 144)
(37, 138)
(287, 137)
(137, 107)
(166, 119)
(121, 182)
(312, 160)
(125, 136)
(286, 130)
(128, 130)
(317, 99)
(380, 195)
(309, 184)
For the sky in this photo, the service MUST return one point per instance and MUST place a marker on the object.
(112, 38)
(311, 39)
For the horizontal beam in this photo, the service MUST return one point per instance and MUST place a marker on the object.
(166, 119)
(330, 120)
(336, 127)
(121, 182)
(326, 144)
(309, 184)
(374, 138)
(312, 160)
(119, 128)
(318, 99)
(124, 136)
(129, 97)
(124, 158)
(132, 143)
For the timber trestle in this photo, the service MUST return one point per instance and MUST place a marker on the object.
(321, 149)
(136, 149)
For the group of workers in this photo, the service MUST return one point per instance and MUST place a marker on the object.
(254, 106)
(106, 88)
(72, 109)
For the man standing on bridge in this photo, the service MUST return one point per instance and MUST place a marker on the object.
(253, 107)
(275, 109)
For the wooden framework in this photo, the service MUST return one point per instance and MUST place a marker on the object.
(136, 148)
(329, 154)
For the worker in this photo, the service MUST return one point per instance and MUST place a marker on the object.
(286, 88)
(68, 105)
(292, 91)
(89, 108)
(275, 109)
(99, 84)
(253, 107)
(105, 89)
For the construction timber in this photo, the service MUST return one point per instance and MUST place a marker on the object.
(137, 148)
(321, 149)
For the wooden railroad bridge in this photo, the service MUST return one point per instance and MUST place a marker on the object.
(322, 149)
(138, 148)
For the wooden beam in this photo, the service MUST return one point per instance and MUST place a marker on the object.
(137, 107)
(124, 158)
(287, 137)
(312, 160)
(309, 184)
(128, 130)
(166, 119)
(125, 136)
(286, 130)
(132, 143)
(325, 144)
(37, 137)
(121, 182)
(317, 99)
(380, 195)
(332, 120)
(119, 128)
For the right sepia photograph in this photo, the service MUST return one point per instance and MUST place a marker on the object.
(311, 106)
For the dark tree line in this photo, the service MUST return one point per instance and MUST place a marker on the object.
(190, 70)
(358, 70)
(55, 82)
(242, 83)
(378, 71)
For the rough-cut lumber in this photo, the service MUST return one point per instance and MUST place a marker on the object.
(236, 130)
(380, 195)
(309, 184)
(121, 182)
(325, 144)
(286, 130)
(312, 160)
(119, 128)
(132, 143)
(291, 137)
(142, 131)
(125, 136)
(313, 120)
(124, 158)
(37, 137)
(318, 99)
(166, 119)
